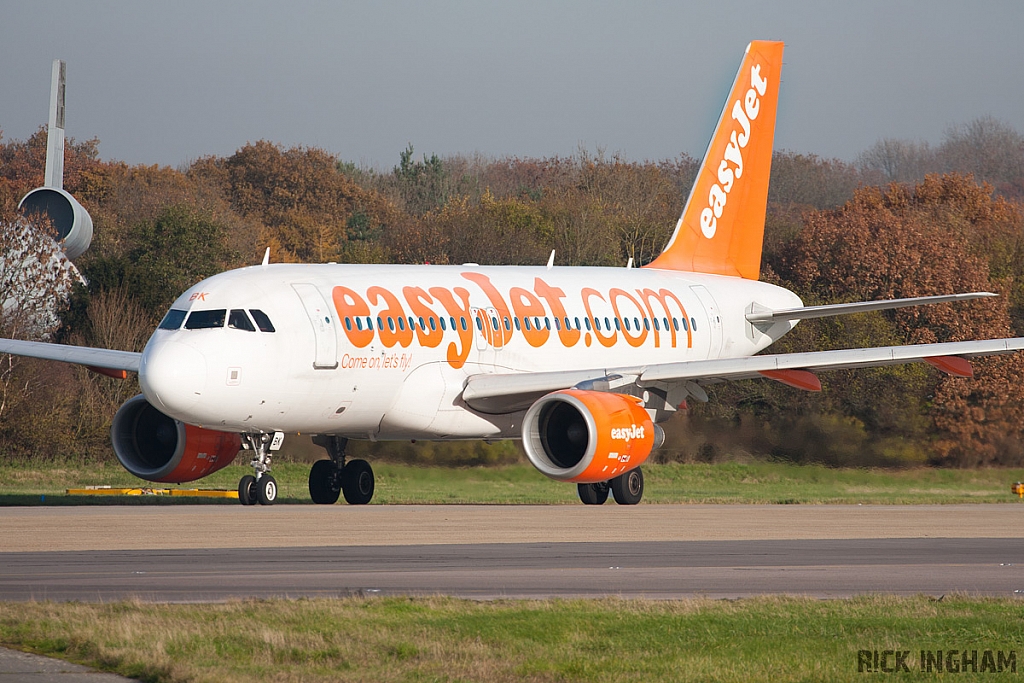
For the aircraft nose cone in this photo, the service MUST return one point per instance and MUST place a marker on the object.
(173, 377)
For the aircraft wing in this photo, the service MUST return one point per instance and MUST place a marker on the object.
(510, 392)
(107, 359)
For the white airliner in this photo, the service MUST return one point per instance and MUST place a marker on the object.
(580, 363)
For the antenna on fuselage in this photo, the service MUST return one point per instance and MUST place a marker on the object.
(266, 257)
(551, 260)
(629, 264)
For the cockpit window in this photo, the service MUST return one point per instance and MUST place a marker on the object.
(262, 321)
(204, 320)
(240, 321)
(173, 319)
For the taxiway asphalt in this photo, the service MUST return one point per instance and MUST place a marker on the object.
(204, 553)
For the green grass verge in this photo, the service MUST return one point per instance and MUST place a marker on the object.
(40, 483)
(445, 639)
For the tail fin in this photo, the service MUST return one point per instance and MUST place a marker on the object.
(722, 227)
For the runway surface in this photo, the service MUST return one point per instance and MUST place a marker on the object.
(658, 551)
(531, 570)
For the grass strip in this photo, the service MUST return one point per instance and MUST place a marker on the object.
(445, 639)
(765, 482)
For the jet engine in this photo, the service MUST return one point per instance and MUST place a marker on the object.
(69, 218)
(588, 437)
(155, 447)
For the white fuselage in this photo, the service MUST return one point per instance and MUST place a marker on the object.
(369, 351)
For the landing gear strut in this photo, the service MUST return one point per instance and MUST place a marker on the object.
(261, 488)
(627, 489)
(330, 478)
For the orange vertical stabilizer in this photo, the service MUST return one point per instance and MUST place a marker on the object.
(722, 227)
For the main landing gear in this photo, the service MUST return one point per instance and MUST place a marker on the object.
(330, 478)
(261, 487)
(627, 489)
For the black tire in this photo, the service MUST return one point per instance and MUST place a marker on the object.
(266, 490)
(357, 482)
(247, 490)
(324, 484)
(593, 494)
(628, 488)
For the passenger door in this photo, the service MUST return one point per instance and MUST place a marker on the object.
(322, 319)
(714, 319)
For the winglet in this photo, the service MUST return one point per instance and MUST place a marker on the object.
(54, 174)
(722, 227)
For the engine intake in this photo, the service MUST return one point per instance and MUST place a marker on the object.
(72, 222)
(588, 436)
(155, 447)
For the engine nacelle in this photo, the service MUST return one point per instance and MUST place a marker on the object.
(155, 447)
(588, 436)
(70, 219)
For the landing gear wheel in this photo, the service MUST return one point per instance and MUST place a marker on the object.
(266, 490)
(247, 490)
(357, 482)
(593, 494)
(324, 483)
(628, 488)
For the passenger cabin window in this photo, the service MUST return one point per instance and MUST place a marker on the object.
(205, 320)
(240, 321)
(262, 321)
(173, 319)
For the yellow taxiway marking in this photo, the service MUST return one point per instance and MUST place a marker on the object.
(192, 493)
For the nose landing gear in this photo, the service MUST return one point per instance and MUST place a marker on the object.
(330, 478)
(261, 488)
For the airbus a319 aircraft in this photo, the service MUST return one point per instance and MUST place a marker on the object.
(580, 363)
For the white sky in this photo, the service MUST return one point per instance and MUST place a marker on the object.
(167, 83)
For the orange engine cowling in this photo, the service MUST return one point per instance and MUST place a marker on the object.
(588, 436)
(155, 447)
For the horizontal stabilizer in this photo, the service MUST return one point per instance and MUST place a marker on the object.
(806, 312)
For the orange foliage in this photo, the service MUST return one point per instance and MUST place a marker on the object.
(934, 238)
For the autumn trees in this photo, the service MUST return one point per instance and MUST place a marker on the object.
(835, 231)
(945, 234)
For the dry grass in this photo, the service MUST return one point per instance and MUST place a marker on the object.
(443, 639)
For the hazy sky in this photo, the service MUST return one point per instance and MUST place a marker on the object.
(165, 83)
